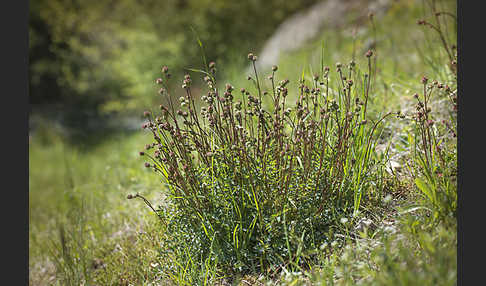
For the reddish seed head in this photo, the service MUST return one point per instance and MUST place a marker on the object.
(424, 80)
(165, 69)
(141, 153)
(147, 165)
(212, 65)
(146, 113)
(369, 53)
(158, 81)
(421, 22)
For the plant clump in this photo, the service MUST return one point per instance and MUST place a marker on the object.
(258, 182)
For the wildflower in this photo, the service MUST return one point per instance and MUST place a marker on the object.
(424, 80)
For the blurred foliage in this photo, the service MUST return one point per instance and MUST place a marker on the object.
(104, 55)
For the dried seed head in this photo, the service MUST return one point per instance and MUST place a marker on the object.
(147, 165)
(229, 87)
(274, 68)
(141, 153)
(424, 80)
(369, 53)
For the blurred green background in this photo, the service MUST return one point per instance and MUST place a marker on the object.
(91, 58)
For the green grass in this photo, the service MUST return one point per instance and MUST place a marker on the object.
(84, 192)
(83, 230)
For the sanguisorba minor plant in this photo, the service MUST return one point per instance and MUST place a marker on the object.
(434, 139)
(255, 187)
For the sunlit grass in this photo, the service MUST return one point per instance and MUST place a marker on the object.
(81, 221)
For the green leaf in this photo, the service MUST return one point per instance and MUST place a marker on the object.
(425, 188)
